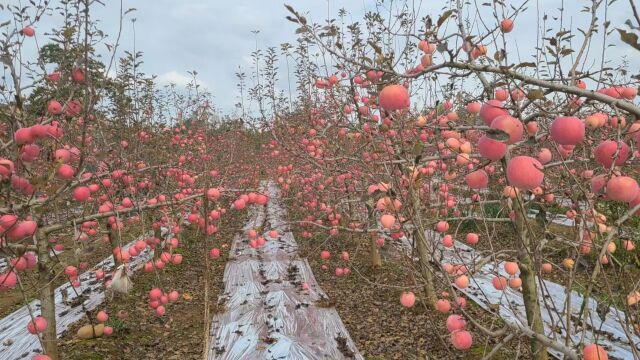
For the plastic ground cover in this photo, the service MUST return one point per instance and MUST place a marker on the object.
(612, 331)
(17, 343)
(268, 314)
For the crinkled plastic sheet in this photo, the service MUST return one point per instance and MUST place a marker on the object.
(17, 343)
(613, 333)
(267, 313)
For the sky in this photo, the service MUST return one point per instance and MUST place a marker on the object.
(214, 37)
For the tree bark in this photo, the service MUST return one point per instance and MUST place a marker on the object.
(422, 245)
(425, 267)
(529, 286)
(47, 297)
(376, 260)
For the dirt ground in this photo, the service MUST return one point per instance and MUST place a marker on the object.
(371, 310)
(179, 333)
(92, 254)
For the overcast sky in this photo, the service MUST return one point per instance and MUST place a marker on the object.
(214, 37)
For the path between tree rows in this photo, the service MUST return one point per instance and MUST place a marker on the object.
(268, 312)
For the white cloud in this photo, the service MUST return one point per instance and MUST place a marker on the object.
(181, 80)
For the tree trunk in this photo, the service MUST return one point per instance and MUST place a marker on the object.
(422, 245)
(376, 260)
(529, 286)
(425, 267)
(113, 239)
(47, 297)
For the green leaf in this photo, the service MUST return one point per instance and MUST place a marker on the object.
(290, 9)
(535, 94)
(375, 47)
(428, 22)
(496, 134)
(629, 38)
(68, 32)
(566, 51)
(445, 15)
(418, 148)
